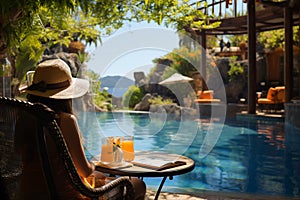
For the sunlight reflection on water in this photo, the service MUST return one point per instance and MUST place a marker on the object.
(248, 157)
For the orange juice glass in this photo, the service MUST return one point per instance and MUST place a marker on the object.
(127, 147)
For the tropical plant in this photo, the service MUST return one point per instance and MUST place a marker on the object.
(24, 47)
(63, 21)
(275, 38)
(169, 71)
(132, 96)
(27, 57)
(184, 61)
(160, 101)
(57, 23)
(184, 16)
(94, 80)
(101, 99)
(235, 40)
(236, 69)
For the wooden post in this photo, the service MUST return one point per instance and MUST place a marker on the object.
(251, 57)
(203, 55)
(235, 8)
(288, 53)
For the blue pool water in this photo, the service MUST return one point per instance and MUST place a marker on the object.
(261, 157)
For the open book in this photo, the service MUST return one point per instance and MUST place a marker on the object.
(157, 167)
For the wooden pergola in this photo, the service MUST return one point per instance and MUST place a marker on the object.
(276, 14)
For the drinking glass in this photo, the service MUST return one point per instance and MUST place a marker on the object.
(111, 153)
(127, 145)
(107, 150)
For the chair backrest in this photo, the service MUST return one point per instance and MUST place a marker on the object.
(276, 94)
(11, 168)
(272, 92)
(280, 94)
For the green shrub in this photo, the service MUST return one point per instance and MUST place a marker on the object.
(275, 38)
(101, 99)
(235, 68)
(132, 96)
(160, 101)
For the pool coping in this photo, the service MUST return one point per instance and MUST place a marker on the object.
(244, 116)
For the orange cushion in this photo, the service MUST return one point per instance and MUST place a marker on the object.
(271, 94)
(207, 100)
(208, 94)
(265, 101)
(280, 88)
(280, 94)
(275, 95)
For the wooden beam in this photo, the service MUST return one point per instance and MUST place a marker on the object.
(288, 53)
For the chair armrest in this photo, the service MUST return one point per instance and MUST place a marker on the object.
(115, 185)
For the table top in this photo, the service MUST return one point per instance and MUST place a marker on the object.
(150, 158)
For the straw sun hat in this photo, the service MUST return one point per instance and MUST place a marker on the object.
(53, 79)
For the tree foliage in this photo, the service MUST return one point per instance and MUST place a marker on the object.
(101, 99)
(40, 25)
(160, 101)
(59, 21)
(132, 96)
(236, 69)
(275, 38)
(185, 61)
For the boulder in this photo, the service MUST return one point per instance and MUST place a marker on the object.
(175, 112)
(140, 78)
(144, 105)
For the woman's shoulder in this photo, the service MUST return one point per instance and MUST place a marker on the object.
(67, 117)
(68, 122)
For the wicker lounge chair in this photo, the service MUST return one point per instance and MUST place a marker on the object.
(11, 164)
(274, 100)
(206, 96)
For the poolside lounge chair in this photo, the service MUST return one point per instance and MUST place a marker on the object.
(49, 135)
(274, 99)
(206, 96)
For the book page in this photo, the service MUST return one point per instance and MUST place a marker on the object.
(156, 159)
(156, 162)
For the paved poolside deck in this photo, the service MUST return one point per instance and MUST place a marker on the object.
(174, 196)
(211, 196)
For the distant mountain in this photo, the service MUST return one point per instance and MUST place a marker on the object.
(117, 85)
(112, 81)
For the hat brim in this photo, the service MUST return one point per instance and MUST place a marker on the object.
(77, 89)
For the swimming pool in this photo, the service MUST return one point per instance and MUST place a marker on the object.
(257, 157)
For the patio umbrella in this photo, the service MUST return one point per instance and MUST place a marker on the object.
(176, 78)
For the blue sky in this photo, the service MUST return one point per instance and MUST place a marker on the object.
(131, 49)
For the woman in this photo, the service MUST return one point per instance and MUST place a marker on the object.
(54, 86)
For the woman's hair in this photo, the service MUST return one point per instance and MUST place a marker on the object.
(58, 105)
